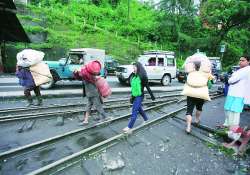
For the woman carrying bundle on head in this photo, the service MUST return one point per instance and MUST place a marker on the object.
(198, 68)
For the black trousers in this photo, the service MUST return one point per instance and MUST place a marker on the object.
(194, 102)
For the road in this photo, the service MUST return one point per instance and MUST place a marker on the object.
(10, 83)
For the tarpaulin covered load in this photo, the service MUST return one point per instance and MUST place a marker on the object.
(205, 64)
(32, 59)
(41, 73)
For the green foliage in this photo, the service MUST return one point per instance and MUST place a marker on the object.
(34, 29)
(124, 34)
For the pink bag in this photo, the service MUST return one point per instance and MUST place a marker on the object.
(86, 75)
(87, 71)
(93, 67)
(103, 87)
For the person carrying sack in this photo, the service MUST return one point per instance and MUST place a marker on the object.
(89, 74)
(196, 88)
(26, 80)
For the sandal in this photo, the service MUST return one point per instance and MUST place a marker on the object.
(221, 126)
(197, 123)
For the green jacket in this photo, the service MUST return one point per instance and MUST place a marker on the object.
(136, 86)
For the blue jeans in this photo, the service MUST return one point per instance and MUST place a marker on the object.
(137, 107)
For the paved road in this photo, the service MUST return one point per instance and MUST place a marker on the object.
(10, 83)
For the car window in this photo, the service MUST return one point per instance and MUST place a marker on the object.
(152, 61)
(76, 59)
(170, 62)
(160, 61)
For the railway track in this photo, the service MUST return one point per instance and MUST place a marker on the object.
(68, 110)
(15, 114)
(23, 154)
(12, 112)
(78, 102)
(32, 150)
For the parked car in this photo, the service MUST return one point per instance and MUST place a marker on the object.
(110, 65)
(181, 76)
(63, 68)
(159, 65)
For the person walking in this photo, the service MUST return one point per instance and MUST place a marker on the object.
(139, 80)
(89, 75)
(196, 88)
(238, 93)
(26, 80)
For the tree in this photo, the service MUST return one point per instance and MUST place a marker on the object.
(222, 16)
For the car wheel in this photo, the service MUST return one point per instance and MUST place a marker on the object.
(166, 79)
(50, 84)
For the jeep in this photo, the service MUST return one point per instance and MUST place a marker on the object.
(63, 68)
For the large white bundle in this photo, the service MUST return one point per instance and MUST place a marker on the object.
(41, 73)
(196, 85)
(29, 57)
(205, 64)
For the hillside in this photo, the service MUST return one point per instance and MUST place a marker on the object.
(125, 30)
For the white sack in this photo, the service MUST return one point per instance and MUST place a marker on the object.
(29, 57)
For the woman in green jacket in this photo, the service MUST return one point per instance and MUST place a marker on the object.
(138, 82)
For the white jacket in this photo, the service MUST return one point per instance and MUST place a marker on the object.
(240, 84)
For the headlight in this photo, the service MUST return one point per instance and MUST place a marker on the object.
(125, 70)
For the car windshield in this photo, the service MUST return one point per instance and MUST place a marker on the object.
(76, 58)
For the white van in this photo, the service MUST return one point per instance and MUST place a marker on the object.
(159, 65)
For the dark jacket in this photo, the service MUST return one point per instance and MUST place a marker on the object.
(25, 77)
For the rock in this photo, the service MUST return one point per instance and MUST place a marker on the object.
(60, 121)
(112, 163)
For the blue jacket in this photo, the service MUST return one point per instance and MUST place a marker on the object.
(25, 77)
